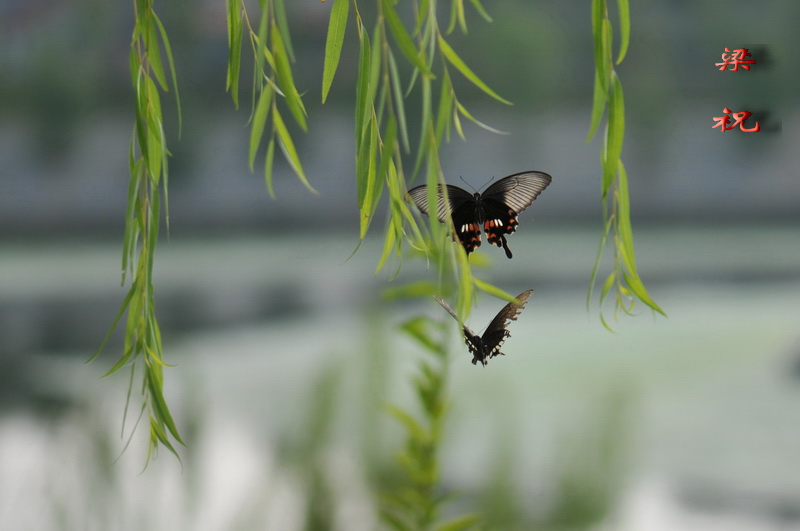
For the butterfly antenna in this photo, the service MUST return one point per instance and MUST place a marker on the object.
(465, 182)
(488, 183)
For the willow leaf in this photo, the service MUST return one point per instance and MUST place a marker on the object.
(171, 62)
(481, 11)
(463, 110)
(624, 28)
(234, 49)
(638, 289)
(283, 25)
(600, 60)
(333, 45)
(456, 61)
(624, 220)
(444, 116)
(368, 195)
(598, 107)
(403, 39)
(285, 80)
(615, 133)
(268, 161)
(494, 290)
(399, 101)
(154, 51)
(363, 105)
(598, 256)
(289, 151)
(259, 122)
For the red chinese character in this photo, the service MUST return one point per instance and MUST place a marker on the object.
(735, 58)
(739, 119)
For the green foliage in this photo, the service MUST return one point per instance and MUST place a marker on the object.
(416, 504)
(381, 129)
(381, 140)
(273, 83)
(624, 279)
(148, 169)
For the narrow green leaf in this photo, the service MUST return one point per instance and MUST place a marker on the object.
(456, 61)
(363, 163)
(285, 80)
(367, 189)
(363, 106)
(463, 110)
(154, 51)
(234, 48)
(158, 434)
(259, 122)
(457, 124)
(268, 161)
(605, 324)
(624, 28)
(481, 11)
(403, 39)
(388, 148)
(410, 290)
(262, 54)
(638, 289)
(399, 101)
(415, 430)
(416, 328)
(457, 15)
(607, 39)
(388, 244)
(598, 256)
(337, 25)
(607, 285)
(598, 107)
(283, 24)
(444, 116)
(451, 24)
(424, 12)
(600, 61)
(425, 127)
(615, 133)
(289, 151)
(624, 221)
(171, 62)
(493, 290)
(378, 40)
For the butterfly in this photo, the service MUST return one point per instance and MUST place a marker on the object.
(488, 345)
(497, 208)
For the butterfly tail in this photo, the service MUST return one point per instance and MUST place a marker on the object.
(505, 246)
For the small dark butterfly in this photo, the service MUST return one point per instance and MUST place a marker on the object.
(488, 345)
(497, 208)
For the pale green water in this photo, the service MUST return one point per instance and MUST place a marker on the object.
(713, 392)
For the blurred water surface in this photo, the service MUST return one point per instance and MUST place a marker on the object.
(250, 324)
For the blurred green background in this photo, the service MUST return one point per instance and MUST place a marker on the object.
(285, 352)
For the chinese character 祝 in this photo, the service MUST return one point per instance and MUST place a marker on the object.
(735, 58)
(739, 119)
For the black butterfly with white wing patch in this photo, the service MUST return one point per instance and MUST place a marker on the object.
(488, 345)
(497, 208)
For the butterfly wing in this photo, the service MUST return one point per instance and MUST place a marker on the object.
(504, 200)
(474, 341)
(460, 205)
(496, 333)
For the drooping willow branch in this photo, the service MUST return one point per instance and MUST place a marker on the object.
(273, 83)
(148, 181)
(624, 279)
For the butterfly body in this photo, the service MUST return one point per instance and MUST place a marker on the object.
(488, 345)
(496, 211)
